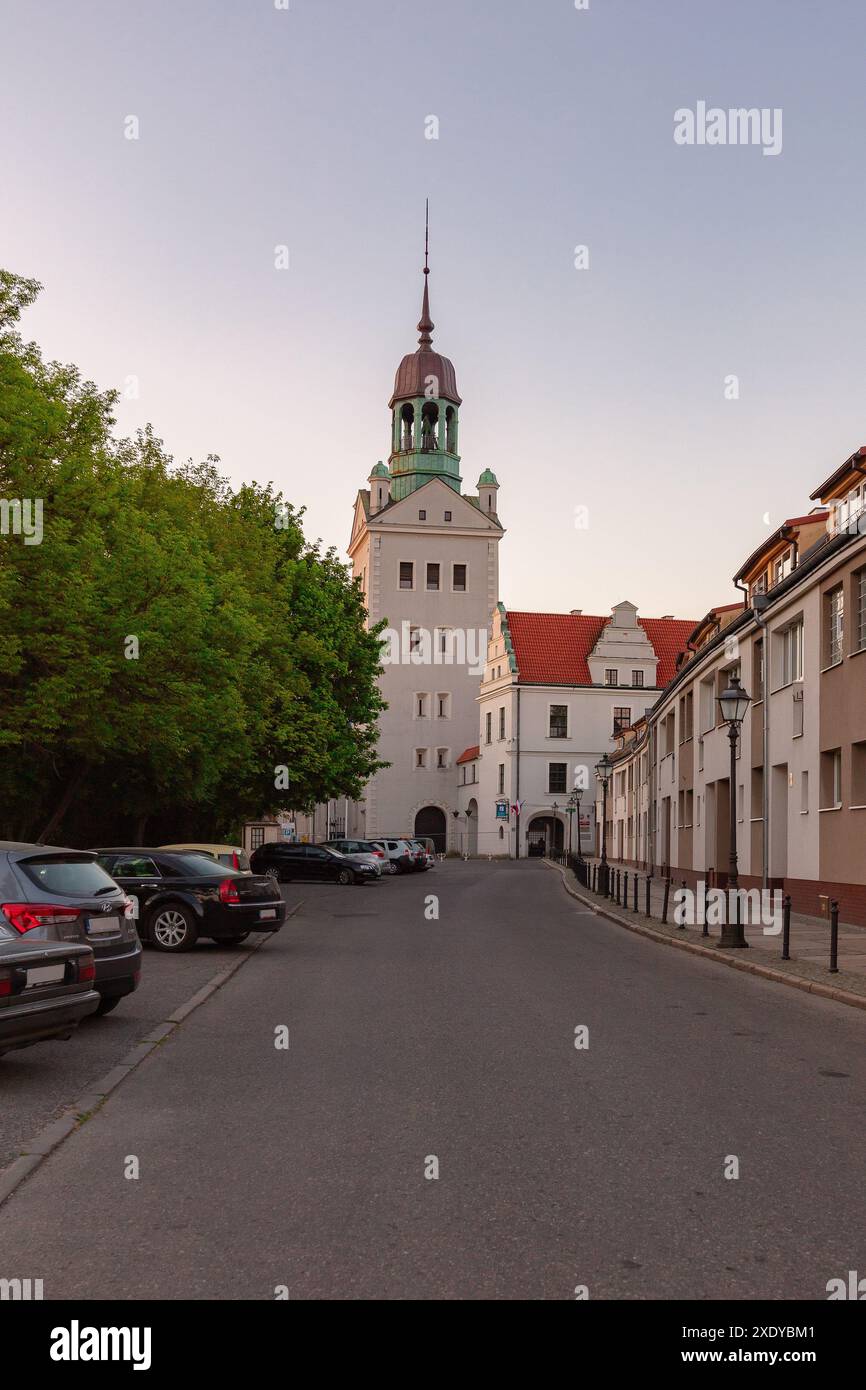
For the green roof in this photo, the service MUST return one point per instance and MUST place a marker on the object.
(380, 471)
(488, 477)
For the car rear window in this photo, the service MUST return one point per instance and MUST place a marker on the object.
(200, 865)
(67, 875)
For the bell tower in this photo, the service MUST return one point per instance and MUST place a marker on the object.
(425, 410)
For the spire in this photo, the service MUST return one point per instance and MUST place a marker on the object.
(426, 325)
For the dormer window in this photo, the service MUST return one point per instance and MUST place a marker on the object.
(422, 515)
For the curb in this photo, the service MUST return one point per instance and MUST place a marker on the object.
(37, 1149)
(766, 972)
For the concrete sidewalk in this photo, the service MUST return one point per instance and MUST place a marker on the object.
(808, 967)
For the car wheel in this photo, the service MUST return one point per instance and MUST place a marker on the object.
(105, 1006)
(344, 876)
(172, 928)
(273, 874)
(392, 867)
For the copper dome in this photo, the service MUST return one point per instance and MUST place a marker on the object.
(416, 367)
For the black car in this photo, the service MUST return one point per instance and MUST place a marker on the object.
(52, 894)
(180, 896)
(46, 989)
(313, 863)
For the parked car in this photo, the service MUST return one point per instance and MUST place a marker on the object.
(362, 849)
(53, 894)
(46, 989)
(179, 896)
(231, 856)
(419, 855)
(312, 863)
(399, 855)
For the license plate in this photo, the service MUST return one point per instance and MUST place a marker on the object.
(103, 926)
(45, 975)
(268, 912)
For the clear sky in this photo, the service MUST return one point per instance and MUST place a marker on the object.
(601, 388)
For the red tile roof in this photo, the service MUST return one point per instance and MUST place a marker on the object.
(469, 755)
(552, 648)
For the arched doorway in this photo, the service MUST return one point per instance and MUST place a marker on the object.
(472, 813)
(547, 830)
(430, 822)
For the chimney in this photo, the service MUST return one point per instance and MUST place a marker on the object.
(667, 617)
(575, 612)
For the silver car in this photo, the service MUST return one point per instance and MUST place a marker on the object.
(361, 849)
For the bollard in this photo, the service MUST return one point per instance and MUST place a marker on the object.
(786, 927)
(594, 877)
(665, 903)
(618, 885)
(648, 895)
(635, 891)
(705, 928)
(834, 937)
(681, 926)
(625, 889)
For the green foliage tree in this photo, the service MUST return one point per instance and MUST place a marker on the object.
(172, 642)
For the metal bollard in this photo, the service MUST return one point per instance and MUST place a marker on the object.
(648, 880)
(635, 891)
(625, 889)
(786, 927)
(665, 903)
(681, 926)
(618, 885)
(834, 937)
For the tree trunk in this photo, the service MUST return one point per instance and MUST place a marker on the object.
(63, 805)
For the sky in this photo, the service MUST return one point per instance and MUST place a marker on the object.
(630, 465)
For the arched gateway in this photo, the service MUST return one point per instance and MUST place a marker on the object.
(430, 822)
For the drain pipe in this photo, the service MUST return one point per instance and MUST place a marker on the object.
(759, 605)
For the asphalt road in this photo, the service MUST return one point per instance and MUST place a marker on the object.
(454, 1038)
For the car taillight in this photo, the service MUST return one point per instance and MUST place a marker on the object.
(87, 970)
(229, 891)
(27, 916)
(5, 983)
(236, 863)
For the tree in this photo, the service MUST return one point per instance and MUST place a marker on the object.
(167, 646)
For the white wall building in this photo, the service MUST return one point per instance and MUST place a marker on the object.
(556, 690)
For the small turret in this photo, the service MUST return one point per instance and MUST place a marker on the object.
(488, 487)
(380, 487)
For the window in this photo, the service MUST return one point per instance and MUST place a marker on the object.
(420, 757)
(858, 774)
(831, 779)
(488, 727)
(442, 636)
(557, 776)
(559, 721)
(782, 567)
(791, 653)
(447, 516)
(441, 757)
(501, 781)
(502, 721)
(414, 639)
(407, 574)
(422, 515)
(834, 611)
(708, 706)
(432, 576)
(458, 577)
(443, 706)
(420, 706)
(758, 670)
(859, 609)
(797, 724)
(611, 676)
(257, 836)
(637, 678)
(804, 794)
(621, 718)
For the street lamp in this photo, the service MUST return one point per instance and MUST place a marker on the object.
(602, 771)
(577, 798)
(733, 704)
(572, 805)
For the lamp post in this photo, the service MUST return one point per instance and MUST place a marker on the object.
(602, 772)
(555, 809)
(733, 704)
(577, 797)
(572, 805)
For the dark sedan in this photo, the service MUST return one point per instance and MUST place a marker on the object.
(312, 863)
(180, 896)
(46, 989)
(53, 894)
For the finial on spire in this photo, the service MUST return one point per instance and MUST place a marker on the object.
(426, 325)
